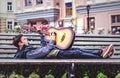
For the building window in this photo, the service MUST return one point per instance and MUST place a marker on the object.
(68, 9)
(9, 6)
(92, 23)
(115, 18)
(9, 25)
(28, 2)
(116, 30)
(39, 2)
(15, 23)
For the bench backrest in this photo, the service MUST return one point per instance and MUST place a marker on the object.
(84, 41)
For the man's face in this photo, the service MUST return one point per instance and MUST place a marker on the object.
(23, 41)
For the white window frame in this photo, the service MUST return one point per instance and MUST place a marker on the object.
(9, 6)
(116, 19)
(39, 2)
(9, 25)
(69, 8)
(28, 2)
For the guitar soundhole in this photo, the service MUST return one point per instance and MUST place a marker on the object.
(63, 37)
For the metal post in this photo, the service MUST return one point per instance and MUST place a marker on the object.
(70, 71)
(88, 12)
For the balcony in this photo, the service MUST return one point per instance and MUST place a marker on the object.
(51, 14)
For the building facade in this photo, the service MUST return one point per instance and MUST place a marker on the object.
(104, 16)
(37, 12)
(7, 16)
(85, 16)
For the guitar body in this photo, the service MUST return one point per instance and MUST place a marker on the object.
(64, 37)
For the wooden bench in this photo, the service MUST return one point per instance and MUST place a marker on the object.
(83, 41)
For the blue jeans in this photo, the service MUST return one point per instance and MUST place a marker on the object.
(74, 52)
(79, 53)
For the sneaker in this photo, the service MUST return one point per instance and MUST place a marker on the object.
(108, 51)
(111, 53)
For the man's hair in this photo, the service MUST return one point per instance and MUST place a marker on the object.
(17, 39)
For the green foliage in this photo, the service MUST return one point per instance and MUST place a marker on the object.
(16, 76)
(118, 75)
(2, 76)
(101, 75)
(17, 30)
(86, 76)
(49, 76)
(10, 31)
(64, 75)
(34, 75)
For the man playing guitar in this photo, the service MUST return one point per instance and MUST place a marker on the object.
(55, 47)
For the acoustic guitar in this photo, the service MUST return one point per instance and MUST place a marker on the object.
(64, 37)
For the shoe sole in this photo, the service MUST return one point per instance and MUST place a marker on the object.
(108, 50)
(112, 53)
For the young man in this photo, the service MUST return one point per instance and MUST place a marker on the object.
(26, 51)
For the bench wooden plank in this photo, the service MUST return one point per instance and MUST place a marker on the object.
(75, 43)
(5, 46)
(96, 43)
(97, 39)
(10, 42)
(8, 51)
(59, 61)
(6, 56)
(98, 35)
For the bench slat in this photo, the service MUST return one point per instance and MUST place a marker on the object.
(96, 43)
(98, 39)
(98, 35)
(8, 51)
(7, 56)
(75, 43)
(62, 61)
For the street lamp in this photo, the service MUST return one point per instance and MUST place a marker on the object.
(88, 12)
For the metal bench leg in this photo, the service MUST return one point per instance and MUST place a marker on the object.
(70, 71)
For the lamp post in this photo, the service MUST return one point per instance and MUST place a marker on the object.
(88, 12)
